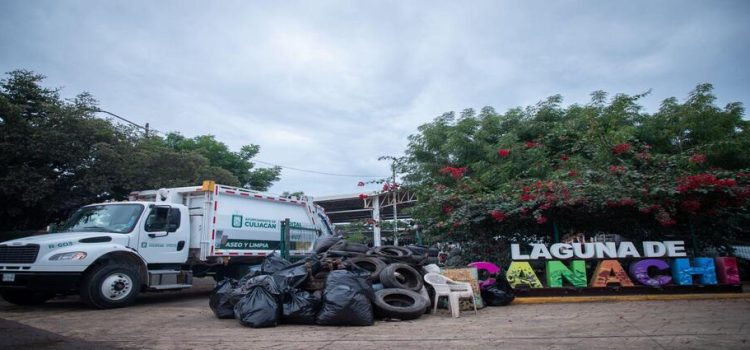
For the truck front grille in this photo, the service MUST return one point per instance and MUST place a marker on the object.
(18, 254)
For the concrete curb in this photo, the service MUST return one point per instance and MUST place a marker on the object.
(611, 298)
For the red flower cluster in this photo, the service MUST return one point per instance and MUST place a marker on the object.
(572, 173)
(455, 173)
(702, 180)
(691, 206)
(362, 196)
(498, 215)
(541, 220)
(390, 186)
(616, 169)
(504, 152)
(532, 144)
(650, 208)
(564, 157)
(447, 208)
(697, 158)
(621, 148)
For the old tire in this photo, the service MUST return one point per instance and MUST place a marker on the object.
(110, 286)
(391, 251)
(350, 247)
(402, 276)
(369, 263)
(398, 303)
(343, 254)
(25, 297)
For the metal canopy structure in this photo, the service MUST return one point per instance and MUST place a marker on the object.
(350, 207)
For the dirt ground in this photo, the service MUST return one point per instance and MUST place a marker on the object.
(183, 320)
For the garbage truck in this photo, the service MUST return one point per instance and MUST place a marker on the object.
(158, 240)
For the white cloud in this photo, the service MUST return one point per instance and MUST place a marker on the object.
(332, 85)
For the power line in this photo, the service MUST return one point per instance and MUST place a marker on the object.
(153, 131)
(311, 171)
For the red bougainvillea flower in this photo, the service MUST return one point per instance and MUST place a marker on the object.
(564, 157)
(690, 206)
(541, 220)
(702, 180)
(386, 187)
(697, 158)
(627, 201)
(360, 184)
(621, 148)
(498, 215)
(455, 173)
(447, 208)
(532, 144)
(503, 152)
(362, 196)
(616, 169)
(572, 173)
(525, 197)
(667, 223)
(650, 208)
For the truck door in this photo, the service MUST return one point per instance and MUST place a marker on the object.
(164, 234)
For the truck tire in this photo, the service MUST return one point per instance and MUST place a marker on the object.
(402, 304)
(110, 286)
(25, 297)
(390, 251)
(350, 247)
(369, 263)
(402, 276)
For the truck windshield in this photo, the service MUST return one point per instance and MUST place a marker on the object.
(117, 218)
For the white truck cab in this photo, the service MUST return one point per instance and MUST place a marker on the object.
(109, 252)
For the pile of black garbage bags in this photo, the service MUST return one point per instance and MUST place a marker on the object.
(343, 284)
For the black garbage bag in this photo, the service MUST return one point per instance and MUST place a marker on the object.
(347, 300)
(292, 276)
(273, 264)
(260, 306)
(323, 243)
(300, 307)
(500, 293)
(220, 299)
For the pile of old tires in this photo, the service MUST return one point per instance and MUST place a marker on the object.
(344, 284)
(395, 274)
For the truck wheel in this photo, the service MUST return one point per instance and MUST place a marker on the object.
(111, 286)
(25, 297)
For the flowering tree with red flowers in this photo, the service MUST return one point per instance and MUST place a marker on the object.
(541, 172)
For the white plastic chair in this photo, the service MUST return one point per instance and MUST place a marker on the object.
(454, 290)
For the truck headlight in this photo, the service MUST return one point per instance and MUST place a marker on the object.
(69, 256)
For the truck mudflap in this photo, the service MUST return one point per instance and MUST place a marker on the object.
(41, 281)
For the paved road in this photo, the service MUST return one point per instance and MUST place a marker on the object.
(184, 321)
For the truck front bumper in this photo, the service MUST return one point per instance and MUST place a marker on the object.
(40, 281)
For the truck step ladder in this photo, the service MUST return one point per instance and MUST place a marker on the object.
(169, 279)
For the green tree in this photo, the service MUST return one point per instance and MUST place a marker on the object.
(237, 163)
(486, 179)
(56, 155)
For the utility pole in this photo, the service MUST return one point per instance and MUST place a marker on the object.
(395, 205)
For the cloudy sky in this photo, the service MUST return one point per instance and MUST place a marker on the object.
(331, 85)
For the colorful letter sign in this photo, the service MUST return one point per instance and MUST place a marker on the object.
(556, 271)
(610, 271)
